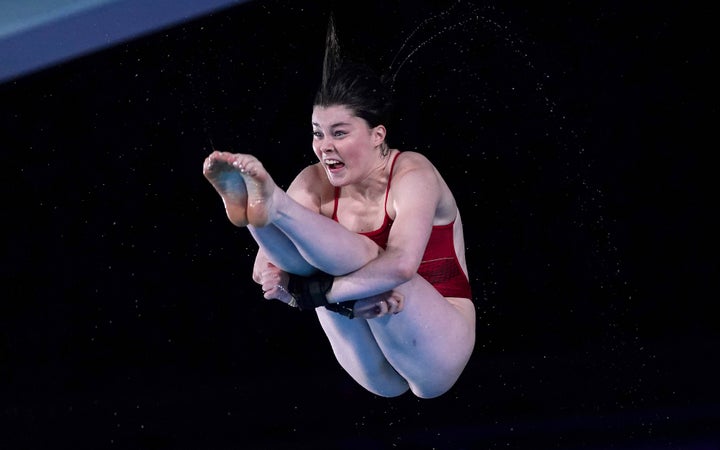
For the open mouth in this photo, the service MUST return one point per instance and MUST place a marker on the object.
(334, 164)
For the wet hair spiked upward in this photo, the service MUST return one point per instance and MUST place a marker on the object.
(354, 85)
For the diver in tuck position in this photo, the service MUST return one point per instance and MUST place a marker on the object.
(369, 237)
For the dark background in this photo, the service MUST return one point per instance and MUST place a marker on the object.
(576, 136)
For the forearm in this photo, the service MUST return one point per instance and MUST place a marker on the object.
(380, 275)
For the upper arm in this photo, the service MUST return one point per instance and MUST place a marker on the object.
(416, 193)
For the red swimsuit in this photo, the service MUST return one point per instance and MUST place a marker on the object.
(440, 265)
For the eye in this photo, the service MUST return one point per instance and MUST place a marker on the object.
(317, 134)
(339, 133)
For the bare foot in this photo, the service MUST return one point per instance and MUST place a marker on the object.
(229, 183)
(245, 186)
(260, 189)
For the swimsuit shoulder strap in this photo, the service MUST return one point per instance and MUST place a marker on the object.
(387, 191)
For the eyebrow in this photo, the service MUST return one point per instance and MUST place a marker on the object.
(338, 124)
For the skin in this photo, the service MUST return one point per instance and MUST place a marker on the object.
(406, 335)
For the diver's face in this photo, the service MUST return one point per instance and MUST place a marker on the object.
(343, 143)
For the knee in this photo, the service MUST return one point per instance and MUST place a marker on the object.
(388, 391)
(430, 391)
(443, 378)
(382, 386)
(384, 382)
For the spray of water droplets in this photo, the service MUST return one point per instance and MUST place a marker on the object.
(563, 149)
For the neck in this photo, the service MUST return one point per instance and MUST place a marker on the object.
(375, 183)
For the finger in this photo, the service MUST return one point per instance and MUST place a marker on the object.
(276, 292)
(272, 292)
(257, 277)
(366, 310)
(382, 308)
(367, 313)
(392, 305)
(270, 276)
(400, 300)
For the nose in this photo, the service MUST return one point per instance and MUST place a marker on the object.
(326, 146)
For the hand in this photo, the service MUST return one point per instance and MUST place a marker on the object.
(274, 283)
(390, 302)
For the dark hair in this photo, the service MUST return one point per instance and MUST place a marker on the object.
(352, 84)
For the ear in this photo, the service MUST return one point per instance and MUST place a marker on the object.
(378, 135)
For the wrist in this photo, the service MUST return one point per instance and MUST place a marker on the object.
(312, 292)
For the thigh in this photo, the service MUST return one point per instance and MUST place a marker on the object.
(355, 348)
(430, 342)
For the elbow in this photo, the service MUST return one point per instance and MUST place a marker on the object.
(399, 267)
(404, 271)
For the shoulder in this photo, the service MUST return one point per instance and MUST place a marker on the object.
(414, 176)
(310, 186)
(419, 184)
(414, 165)
(310, 175)
(410, 160)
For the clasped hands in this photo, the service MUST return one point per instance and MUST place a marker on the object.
(274, 282)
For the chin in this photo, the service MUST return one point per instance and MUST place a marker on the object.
(337, 181)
